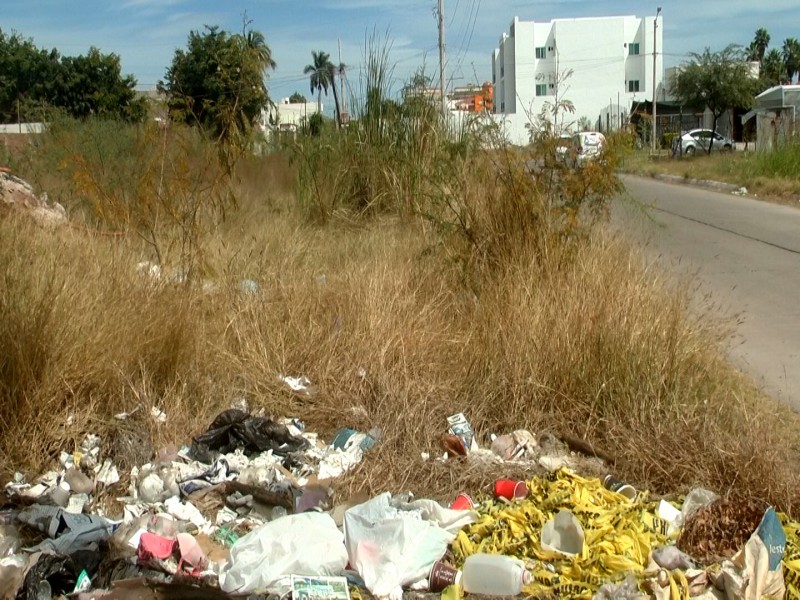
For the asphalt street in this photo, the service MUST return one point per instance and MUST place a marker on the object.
(745, 257)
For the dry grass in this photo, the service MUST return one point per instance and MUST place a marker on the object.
(578, 339)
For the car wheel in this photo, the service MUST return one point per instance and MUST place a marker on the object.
(727, 148)
(689, 150)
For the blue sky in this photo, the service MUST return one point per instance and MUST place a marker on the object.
(145, 33)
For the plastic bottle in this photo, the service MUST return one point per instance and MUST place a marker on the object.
(494, 575)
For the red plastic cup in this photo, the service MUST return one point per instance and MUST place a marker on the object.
(510, 489)
(462, 502)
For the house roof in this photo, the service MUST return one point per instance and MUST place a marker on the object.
(780, 96)
(775, 98)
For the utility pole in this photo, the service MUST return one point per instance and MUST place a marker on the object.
(441, 58)
(655, 95)
(341, 77)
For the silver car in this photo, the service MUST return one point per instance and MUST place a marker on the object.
(698, 140)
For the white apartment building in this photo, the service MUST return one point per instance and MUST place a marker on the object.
(611, 60)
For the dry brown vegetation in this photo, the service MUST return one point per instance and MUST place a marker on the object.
(506, 301)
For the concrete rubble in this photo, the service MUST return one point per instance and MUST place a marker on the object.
(19, 196)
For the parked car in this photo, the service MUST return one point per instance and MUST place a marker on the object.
(590, 145)
(580, 147)
(698, 140)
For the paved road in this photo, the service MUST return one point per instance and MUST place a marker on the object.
(746, 254)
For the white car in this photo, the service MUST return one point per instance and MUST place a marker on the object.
(580, 147)
(698, 140)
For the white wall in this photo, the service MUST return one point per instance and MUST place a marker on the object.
(23, 128)
(288, 114)
(596, 50)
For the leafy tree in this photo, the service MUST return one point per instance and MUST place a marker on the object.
(218, 82)
(94, 85)
(717, 81)
(772, 69)
(322, 75)
(416, 90)
(758, 46)
(297, 98)
(32, 80)
(791, 58)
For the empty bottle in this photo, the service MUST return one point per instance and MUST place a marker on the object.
(494, 575)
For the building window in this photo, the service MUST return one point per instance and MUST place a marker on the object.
(502, 107)
(541, 89)
(502, 71)
(541, 52)
(633, 85)
(633, 49)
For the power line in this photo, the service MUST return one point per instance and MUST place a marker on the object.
(469, 41)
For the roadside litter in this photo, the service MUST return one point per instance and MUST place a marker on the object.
(247, 509)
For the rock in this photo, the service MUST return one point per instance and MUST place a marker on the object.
(18, 195)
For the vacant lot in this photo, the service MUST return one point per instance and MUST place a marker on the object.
(408, 277)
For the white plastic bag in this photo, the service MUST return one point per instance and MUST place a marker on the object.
(304, 544)
(391, 548)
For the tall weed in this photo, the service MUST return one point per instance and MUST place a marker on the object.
(166, 185)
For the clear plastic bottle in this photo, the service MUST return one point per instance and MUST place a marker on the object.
(494, 575)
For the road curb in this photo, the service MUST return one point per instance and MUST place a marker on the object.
(704, 183)
(708, 184)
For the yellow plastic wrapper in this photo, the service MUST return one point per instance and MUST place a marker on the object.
(618, 534)
(791, 557)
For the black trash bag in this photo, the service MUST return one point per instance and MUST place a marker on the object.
(120, 569)
(60, 571)
(57, 570)
(235, 429)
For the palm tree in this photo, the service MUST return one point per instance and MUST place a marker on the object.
(772, 69)
(758, 47)
(791, 57)
(322, 75)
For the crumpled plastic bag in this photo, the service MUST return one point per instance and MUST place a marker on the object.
(450, 520)
(627, 590)
(304, 544)
(235, 429)
(694, 501)
(390, 547)
(670, 558)
(60, 572)
(68, 532)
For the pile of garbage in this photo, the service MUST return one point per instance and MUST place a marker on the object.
(247, 509)
(18, 195)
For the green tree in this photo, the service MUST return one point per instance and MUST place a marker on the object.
(218, 83)
(717, 81)
(322, 75)
(758, 47)
(93, 85)
(772, 69)
(791, 58)
(32, 80)
(297, 98)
